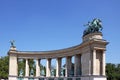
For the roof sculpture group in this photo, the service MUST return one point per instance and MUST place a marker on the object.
(94, 26)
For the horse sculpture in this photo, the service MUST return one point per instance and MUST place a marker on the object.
(94, 26)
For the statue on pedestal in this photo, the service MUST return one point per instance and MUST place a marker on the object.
(21, 73)
(12, 42)
(94, 26)
(32, 73)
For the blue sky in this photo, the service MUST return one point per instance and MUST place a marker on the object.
(40, 25)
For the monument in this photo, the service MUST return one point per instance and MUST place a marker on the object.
(89, 58)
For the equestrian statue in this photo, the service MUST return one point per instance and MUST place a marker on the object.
(94, 26)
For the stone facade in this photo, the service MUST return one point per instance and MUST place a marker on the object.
(89, 60)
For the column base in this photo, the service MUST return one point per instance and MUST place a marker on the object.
(93, 78)
(12, 78)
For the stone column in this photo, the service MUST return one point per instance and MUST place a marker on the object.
(77, 65)
(58, 67)
(68, 66)
(94, 62)
(26, 68)
(103, 63)
(48, 68)
(37, 67)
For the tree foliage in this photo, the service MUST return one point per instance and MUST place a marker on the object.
(21, 66)
(4, 61)
(113, 71)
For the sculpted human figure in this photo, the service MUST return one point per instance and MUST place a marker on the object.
(12, 43)
(21, 72)
(94, 26)
(32, 72)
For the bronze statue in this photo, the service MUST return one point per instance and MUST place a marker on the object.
(21, 73)
(12, 43)
(94, 26)
(32, 72)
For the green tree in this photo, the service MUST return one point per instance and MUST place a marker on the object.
(4, 61)
(113, 71)
(21, 66)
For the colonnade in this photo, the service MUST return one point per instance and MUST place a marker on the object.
(68, 66)
(89, 60)
(96, 65)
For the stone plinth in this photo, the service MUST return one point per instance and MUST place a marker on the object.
(12, 48)
(92, 36)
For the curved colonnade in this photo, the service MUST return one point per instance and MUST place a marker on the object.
(89, 59)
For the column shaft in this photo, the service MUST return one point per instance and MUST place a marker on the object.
(48, 68)
(103, 63)
(58, 67)
(68, 66)
(77, 65)
(37, 67)
(94, 63)
(27, 68)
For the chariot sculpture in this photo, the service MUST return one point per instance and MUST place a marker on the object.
(93, 26)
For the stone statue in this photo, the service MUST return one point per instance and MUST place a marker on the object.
(12, 43)
(94, 26)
